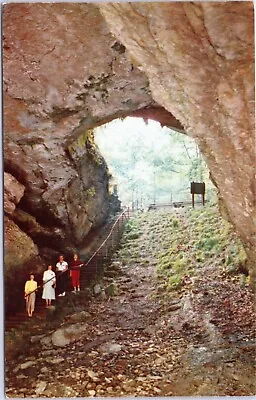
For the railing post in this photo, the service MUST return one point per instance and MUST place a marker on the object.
(110, 242)
(118, 227)
(112, 239)
(96, 265)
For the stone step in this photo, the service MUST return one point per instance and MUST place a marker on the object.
(21, 315)
(14, 321)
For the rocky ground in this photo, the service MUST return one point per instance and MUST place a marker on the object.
(136, 339)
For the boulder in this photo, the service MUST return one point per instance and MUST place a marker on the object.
(66, 335)
(40, 387)
(80, 316)
(19, 247)
(110, 348)
(13, 192)
(27, 364)
(97, 289)
(111, 290)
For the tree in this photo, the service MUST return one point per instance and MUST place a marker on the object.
(150, 162)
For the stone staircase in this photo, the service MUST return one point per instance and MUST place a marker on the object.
(99, 257)
(17, 320)
(102, 254)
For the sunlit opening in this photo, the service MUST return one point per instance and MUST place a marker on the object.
(149, 163)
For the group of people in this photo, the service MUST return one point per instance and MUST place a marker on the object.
(54, 282)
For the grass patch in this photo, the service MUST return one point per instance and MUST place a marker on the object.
(181, 244)
(204, 237)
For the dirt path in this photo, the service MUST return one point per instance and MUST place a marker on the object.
(134, 344)
(118, 355)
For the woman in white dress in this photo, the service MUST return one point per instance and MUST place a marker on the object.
(49, 282)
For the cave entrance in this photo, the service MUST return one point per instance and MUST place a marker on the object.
(150, 163)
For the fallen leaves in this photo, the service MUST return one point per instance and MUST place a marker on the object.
(138, 343)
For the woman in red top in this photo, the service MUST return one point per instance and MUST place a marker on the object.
(75, 267)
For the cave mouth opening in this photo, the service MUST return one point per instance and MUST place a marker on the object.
(150, 163)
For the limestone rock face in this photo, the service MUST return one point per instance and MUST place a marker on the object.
(19, 247)
(64, 73)
(68, 69)
(13, 192)
(71, 66)
(65, 188)
(199, 58)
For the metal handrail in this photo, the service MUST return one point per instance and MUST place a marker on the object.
(105, 240)
(90, 259)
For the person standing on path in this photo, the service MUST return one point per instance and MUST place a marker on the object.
(61, 275)
(75, 267)
(49, 281)
(30, 295)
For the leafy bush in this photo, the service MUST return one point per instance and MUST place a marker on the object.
(175, 223)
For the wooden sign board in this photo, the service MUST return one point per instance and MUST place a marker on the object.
(197, 188)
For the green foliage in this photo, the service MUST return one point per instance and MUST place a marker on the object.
(180, 244)
(204, 237)
(235, 257)
(208, 243)
(242, 280)
(174, 282)
(149, 163)
(197, 169)
(131, 225)
(80, 142)
(175, 223)
(86, 141)
(111, 290)
(92, 149)
(91, 192)
(85, 138)
(133, 235)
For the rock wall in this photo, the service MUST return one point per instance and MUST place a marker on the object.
(65, 73)
(199, 58)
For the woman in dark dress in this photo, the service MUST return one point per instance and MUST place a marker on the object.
(61, 276)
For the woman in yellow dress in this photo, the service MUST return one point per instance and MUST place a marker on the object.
(30, 295)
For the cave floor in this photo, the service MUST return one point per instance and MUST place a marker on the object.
(138, 343)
